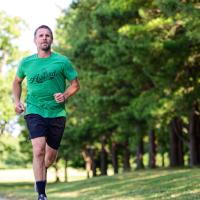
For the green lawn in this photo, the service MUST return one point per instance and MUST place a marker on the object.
(148, 184)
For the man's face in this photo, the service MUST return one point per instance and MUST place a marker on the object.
(43, 39)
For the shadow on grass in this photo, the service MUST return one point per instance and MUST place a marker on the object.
(139, 185)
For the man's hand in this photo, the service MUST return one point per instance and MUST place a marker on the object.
(70, 91)
(19, 108)
(59, 97)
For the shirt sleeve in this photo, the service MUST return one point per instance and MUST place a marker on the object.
(20, 72)
(69, 71)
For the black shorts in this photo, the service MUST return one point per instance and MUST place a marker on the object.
(51, 128)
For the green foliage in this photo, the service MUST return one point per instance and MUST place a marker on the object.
(10, 154)
(138, 63)
(6, 103)
(9, 32)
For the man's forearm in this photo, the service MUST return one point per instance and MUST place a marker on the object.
(17, 90)
(71, 90)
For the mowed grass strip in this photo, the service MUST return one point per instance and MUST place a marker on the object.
(144, 184)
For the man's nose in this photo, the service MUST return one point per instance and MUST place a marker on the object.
(45, 37)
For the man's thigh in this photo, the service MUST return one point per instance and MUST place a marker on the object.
(55, 132)
(37, 126)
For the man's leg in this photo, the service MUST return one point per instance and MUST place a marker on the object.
(55, 132)
(38, 128)
(39, 145)
(50, 156)
(53, 139)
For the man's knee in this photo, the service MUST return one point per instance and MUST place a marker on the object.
(38, 147)
(49, 159)
(38, 152)
(49, 162)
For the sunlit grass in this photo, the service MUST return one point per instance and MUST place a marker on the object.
(26, 175)
(162, 184)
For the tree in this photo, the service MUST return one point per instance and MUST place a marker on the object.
(138, 64)
(9, 31)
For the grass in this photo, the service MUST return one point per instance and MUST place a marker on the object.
(178, 184)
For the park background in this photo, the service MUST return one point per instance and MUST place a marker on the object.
(137, 115)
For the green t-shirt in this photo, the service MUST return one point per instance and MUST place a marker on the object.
(45, 77)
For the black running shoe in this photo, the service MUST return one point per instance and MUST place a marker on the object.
(42, 197)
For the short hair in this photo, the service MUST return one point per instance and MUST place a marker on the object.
(45, 27)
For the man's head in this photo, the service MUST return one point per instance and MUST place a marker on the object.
(43, 38)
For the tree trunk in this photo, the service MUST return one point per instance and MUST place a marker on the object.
(163, 160)
(94, 162)
(114, 157)
(176, 143)
(180, 154)
(88, 160)
(173, 145)
(194, 130)
(126, 165)
(56, 171)
(103, 157)
(152, 149)
(66, 177)
(139, 154)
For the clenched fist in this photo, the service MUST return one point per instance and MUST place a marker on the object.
(19, 108)
(59, 97)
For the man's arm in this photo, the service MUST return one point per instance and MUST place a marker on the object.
(70, 91)
(17, 90)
